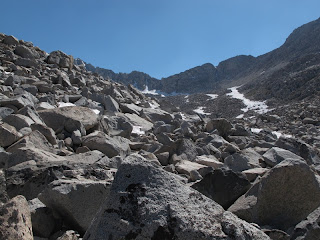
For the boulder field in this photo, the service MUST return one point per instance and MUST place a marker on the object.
(83, 157)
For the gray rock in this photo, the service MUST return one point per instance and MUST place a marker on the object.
(222, 125)
(76, 137)
(11, 40)
(237, 162)
(19, 102)
(42, 218)
(309, 228)
(61, 59)
(223, 186)
(209, 160)
(149, 203)
(276, 155)
(3, 192)
(18, 121)
(283, 197)
(186, 149)
(31, 113)
(46, 131)
(185, 167)
(57, 118)
(253, 173)
(8, 135)
(106, 144)
(77, 201)
(33, 140)
(118, 126)
(26, 52)
(15, 220)
(304, 150)
(157, 115)
(4, 111)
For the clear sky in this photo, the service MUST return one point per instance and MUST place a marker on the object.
(158, 37)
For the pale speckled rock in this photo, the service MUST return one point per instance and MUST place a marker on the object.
(146, 202)
(15, 220)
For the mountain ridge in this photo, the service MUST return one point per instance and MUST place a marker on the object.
(238, 70)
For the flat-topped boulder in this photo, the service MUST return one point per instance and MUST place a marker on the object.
(58, 117)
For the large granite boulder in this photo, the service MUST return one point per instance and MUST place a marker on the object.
(146, 202)
(283, 197)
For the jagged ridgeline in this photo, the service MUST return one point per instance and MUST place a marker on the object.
(85, 157)
(283, 73)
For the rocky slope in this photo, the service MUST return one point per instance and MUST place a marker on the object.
(83, 157)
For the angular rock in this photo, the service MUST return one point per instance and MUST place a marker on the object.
(157, 115)
(42, 218)
(283, 197)
(8, 135)
(34, 140)
(46, 131)
(253, 173)
(15, 220)
(109, 146)
(148, 203)
(26, 52)
(304, 150)
(276, 155)
(221, 124)
(223, 186)
(77, 201)
(4, 111)
(118, 126)
(11, 40)
(185, 167)
(18, 121)
(237, 162)
(19, 101)
(61, 59)
(308, 228)
(209, 160)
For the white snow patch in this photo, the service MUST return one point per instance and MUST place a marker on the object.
(96, 111)
(137, 130)
(213, 96)
(256, 130)
(200, 111)
(240, 116)
(280, 134)
(162, 94)
(63, 104)
(147, 91)
(257, 106)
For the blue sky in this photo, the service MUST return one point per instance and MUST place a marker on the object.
(158, 37)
